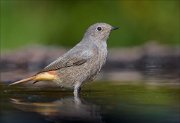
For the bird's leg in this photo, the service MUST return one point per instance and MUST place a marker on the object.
(77, 90)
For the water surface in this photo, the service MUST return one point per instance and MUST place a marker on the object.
(99, 102)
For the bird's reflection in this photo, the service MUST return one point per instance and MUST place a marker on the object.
(65, 109)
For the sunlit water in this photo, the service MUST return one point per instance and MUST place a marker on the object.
(99, 102)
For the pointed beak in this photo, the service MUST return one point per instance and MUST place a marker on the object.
(114, 28)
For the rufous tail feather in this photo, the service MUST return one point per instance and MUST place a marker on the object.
(23, 80)
(45, 76)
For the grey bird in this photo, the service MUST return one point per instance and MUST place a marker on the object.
(80, 64)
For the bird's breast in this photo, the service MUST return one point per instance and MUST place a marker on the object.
(102, 55)
(99, 59)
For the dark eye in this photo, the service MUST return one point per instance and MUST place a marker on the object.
(99, 28)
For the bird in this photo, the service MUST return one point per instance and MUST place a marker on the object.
(80, 64)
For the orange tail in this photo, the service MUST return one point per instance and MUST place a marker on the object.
(23, 80)
(46, 76)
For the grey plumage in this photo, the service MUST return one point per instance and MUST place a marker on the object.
(84, 61)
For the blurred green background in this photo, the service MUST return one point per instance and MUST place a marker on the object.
(63, 23)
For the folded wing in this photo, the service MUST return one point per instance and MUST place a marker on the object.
(71, 58)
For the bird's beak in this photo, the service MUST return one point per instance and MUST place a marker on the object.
(114, 28)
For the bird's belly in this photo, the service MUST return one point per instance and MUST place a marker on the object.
(68, 77)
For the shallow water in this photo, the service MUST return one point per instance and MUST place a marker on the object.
(99, 102)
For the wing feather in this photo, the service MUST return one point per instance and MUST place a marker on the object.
(71, 58)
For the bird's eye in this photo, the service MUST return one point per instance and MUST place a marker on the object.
(99, 28)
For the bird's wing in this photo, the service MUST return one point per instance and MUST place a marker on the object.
(71, 58)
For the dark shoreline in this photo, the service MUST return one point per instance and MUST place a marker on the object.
(150, 60)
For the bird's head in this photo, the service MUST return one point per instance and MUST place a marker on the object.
(99, 31)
